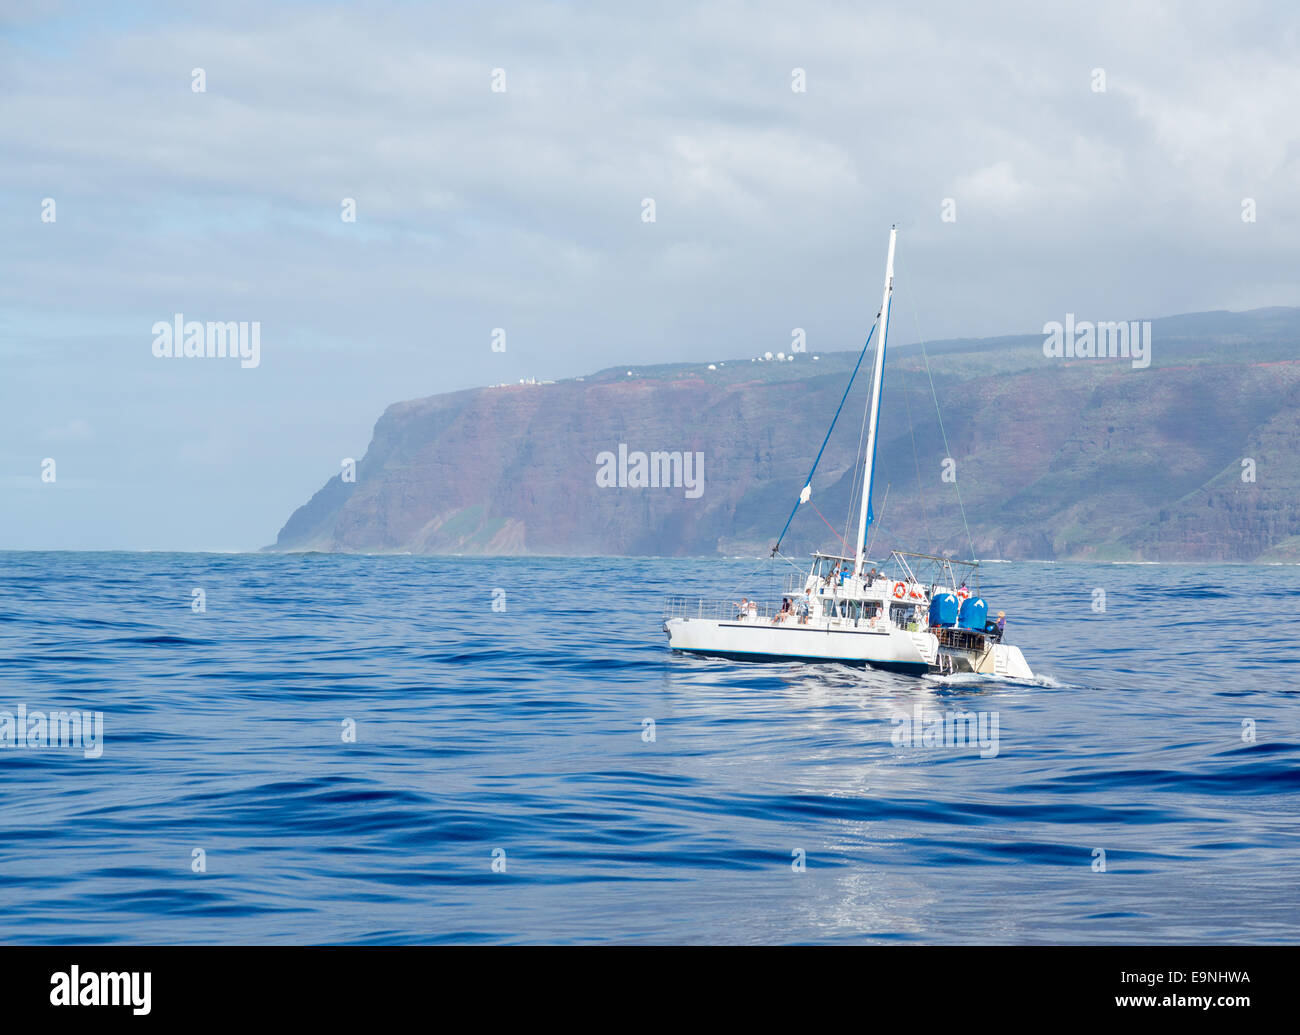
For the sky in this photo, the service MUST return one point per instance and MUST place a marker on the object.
(1093, 159)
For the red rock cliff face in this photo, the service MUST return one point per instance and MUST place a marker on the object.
(1052, 458)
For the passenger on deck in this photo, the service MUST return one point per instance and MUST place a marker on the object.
(785, 611)
(1001, 624)
(742, 609)
(805, 606)
(871, 576)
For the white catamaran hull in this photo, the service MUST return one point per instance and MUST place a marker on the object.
(760, 640)
(888, 647)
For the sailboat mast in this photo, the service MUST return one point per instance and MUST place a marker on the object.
(865, 517)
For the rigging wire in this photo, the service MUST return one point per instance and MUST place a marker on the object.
(847, 388)
(750, 574)
(935, 395)
(859, 472)
(791, 563)
(830, 526)
(876, 524)
(768, 561)
(916, 459)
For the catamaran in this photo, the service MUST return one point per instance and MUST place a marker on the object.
(918, 614)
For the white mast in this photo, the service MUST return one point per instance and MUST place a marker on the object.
(876, 378)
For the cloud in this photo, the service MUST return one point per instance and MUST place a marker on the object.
(75, 430)
(522, 209)
(995, 185)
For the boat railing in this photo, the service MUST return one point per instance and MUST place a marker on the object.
(795, 583)
(715, 610)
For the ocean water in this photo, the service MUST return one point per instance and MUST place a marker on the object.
(503, 785)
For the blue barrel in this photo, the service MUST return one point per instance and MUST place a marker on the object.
(972, 614)
(943, 610)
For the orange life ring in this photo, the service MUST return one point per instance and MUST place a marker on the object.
(962, 594)
(915, 593)
(899, 590)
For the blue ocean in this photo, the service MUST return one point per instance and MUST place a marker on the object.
(365, 749)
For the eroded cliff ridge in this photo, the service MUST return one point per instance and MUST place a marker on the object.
(1192, 458)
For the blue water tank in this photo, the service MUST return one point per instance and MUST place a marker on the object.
(943, 610)
(972, 614)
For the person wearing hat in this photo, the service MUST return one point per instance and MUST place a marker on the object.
(1001, 624)
(806, 606)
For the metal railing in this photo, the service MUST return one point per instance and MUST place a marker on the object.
(715, 610)
(795, 582)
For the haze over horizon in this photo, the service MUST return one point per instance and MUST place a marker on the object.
(522, 209)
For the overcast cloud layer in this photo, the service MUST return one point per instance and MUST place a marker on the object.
(522, 210)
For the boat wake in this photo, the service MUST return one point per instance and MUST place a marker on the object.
(975, 680)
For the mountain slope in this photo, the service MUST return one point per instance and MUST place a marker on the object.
(1053, 458)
